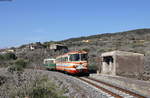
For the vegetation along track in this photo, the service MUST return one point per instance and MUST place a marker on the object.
(111, 90)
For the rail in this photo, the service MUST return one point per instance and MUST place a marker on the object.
(95, 83)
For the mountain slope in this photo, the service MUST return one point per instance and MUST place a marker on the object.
(132, 41)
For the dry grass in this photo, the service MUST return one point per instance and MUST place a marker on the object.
(29, 85)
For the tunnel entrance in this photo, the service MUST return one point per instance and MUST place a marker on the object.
(107, 66)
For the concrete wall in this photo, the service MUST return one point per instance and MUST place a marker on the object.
(108, 69)
(124, 63)
(129, 64)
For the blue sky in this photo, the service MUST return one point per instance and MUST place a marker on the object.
(26, 21)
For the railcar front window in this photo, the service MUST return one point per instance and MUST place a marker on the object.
(84, 57)
(74, 57)
(48, 61)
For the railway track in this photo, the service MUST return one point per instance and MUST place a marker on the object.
(110, 90)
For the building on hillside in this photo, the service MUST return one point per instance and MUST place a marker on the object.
(86, 41)
(36, 45)
(58, 47)
(122, 63)
(10, 50)
(2, 51)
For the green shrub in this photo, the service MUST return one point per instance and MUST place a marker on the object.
(92, 68)
(3, 79)
(1, 57)
(101, 50)
(86, 49)
(41, 87)
(18, 65)
(46, 89)
(8, 56)
(46, 92)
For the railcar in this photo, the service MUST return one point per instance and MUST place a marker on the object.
(75, 62)
(50, 64)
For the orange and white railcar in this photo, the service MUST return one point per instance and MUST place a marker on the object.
(73, 62)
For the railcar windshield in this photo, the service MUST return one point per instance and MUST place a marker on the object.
(84, 57)
(74, 57)
(78, 57)
(47, 61)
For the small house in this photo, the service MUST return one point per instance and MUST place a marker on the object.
(58, 47)
(122, 63)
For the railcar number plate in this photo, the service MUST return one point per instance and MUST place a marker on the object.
(80, 67)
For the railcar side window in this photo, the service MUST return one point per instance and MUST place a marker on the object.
(64, 59)
(48, 61)
(58, 59)
(74, 57)
(45, 62)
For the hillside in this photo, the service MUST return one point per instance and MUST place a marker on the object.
(133, 41)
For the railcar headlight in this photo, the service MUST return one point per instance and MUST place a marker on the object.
(75, 66)
(85, 65)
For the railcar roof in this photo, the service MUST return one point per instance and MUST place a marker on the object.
(72, 52)
(49, 59)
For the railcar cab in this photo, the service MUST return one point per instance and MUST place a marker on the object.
(80, 59)
(73, 62)
(50, 63)
(76, 56)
